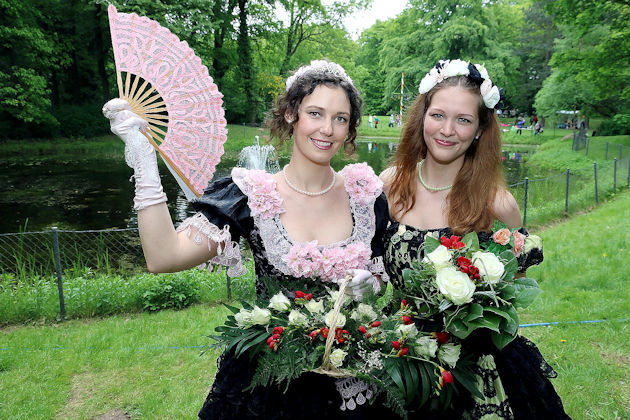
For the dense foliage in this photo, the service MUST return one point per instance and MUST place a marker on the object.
(56, 63)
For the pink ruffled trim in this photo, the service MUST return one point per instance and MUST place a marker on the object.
(228, 252)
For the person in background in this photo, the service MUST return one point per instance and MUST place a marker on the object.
(446, 178)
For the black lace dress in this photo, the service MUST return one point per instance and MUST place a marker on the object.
(247, 205)
(514, 381)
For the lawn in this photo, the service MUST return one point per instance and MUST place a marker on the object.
(148, 365)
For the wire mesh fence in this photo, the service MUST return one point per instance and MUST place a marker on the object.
(32, 254)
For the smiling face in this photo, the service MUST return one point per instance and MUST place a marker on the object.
(451, 123)
(322, 124)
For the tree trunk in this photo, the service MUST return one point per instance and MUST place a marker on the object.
(245, 60)
(101, 53)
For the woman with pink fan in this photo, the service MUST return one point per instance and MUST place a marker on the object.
(288, 218)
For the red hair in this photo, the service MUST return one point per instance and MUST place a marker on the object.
(471, 200)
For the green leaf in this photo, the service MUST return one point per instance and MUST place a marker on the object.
(411, 380)
(501, 340)
(393, 369)
(475, 311)
(499, 311)
(263, 336)
(489, 321)
(468, 380)
(525, 282)
(511, 266)
(508, 292)
(426, 382)
(430, 243)
(243, 341)
(525, 297)
(234, 309)
(471, 240)
(459, 329)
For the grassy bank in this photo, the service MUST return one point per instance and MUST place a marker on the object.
(148, 365)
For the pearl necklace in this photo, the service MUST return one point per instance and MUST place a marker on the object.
(424, 184)
(310, 194)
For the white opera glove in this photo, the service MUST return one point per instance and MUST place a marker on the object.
(139, 154)
(362, 282)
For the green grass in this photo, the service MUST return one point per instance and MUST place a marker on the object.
(147, 365)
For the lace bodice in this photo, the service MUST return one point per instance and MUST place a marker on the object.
(248, 205)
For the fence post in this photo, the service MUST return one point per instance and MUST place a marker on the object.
(596, 194)
(62, 305)
(229, 285)
(566, 195)
(525, 204)
(606, 151)
(587, 142)
(615, 175)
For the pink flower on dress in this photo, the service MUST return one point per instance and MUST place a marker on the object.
(263, 200)
(361, 182)
(519, 241)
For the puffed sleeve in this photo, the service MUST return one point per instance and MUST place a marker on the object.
(223, 218)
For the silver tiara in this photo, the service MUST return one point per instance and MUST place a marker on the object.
(319, 67)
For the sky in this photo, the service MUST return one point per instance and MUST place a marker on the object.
(380, 10)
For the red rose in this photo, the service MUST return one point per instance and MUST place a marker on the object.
(453, 242)
(447, 376)
(270, 340)
(299, 294)
(278, 330)
(403, 304)
(407, 319)
(445, 241)
(442, 337)
(473, 272)
(309, 296)
(362, 329)
(403, 351)
(396, 344)
(376, 324)
(313, 334)
(324, 332)
(273, 345)
(463, 262)
(368, 335)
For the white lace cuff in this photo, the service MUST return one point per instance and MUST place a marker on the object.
(354, 392)
(228, 252)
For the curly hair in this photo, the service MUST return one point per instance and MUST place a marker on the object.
(470, 201)
(289, 102)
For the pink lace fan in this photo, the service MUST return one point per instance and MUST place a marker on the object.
(166, 84)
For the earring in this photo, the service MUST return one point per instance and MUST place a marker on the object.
(476, 138)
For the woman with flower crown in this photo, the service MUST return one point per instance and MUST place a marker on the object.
(446, 179)
(307, 226)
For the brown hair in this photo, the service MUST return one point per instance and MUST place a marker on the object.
(289, 103)
(471, 200)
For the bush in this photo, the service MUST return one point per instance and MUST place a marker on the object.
(619, 124)
(81, 121)
(170, 291)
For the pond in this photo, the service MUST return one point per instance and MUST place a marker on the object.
(91, 190)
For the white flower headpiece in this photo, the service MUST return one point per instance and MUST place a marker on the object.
(322, 68)
(449, 68)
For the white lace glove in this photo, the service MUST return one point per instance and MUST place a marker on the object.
(362, 281)
(139, 154)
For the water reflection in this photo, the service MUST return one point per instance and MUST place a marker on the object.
(93, 192)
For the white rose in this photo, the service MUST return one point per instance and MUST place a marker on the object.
(341, 319)
(334, 294)
(492, 98)
(531, 242)
(455, 285)
(485, 87)
(427, 83)
(243, 318)
(315, 306)
(456, 68)
(280, 302)
(409, 330)
(337, 356)
(489, 265)
(260, 316)
(482, 71)
(298, 319)
(364, 313)
(449, 354)
(440, 257)
(426, 346)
